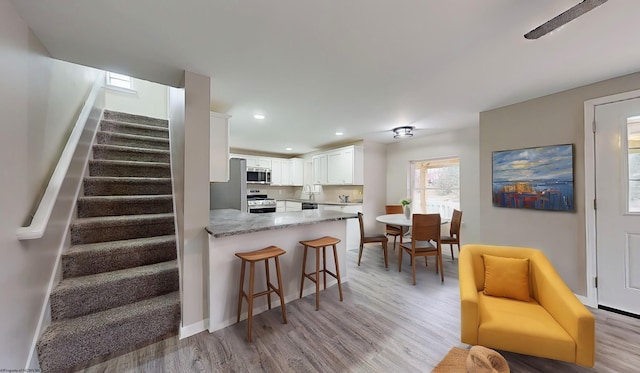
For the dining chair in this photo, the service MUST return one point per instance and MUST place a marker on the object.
(369, 238)
(454, 233)
(394, 230)
(425, 229)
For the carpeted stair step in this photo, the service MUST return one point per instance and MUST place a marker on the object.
(101, 167)
(126, 153)
(134, 129)
(133, 118)
(124, 205)
(136, 141)
(115, 186)
(89, 259)
(79, 296)
(68, 343)
(116, 228)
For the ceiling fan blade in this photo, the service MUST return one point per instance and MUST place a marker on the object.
(563, 18)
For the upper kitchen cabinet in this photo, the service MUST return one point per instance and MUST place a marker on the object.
(287, 172)
(297, 171)
(262, 162)
(319, 164)
(342, 166)
(219, 147)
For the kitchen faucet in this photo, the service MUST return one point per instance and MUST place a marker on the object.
(307, 189)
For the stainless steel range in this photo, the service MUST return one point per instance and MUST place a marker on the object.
(260, 203)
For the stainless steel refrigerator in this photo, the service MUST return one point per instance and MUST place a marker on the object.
(232, 194)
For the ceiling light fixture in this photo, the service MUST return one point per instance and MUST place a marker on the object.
(289, 149)
(339, 133)
(259, 116)
(402, 132)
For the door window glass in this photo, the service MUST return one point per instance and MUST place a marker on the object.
(633, 149)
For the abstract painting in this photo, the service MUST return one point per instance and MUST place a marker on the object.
(534, 178)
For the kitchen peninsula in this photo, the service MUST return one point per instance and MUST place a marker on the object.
(231, 231)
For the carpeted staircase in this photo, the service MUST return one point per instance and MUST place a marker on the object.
(120, 285)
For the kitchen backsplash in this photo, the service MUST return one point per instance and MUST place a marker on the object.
(328, 193)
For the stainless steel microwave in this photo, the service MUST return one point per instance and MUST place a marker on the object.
(258, 175)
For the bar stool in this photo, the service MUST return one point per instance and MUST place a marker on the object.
(320, 243)
(271, 252)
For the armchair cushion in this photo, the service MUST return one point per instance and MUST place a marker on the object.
(506, 277)
(523, 326)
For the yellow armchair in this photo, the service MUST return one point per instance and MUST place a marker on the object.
(553, 324)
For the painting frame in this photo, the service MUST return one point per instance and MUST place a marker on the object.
(534, 178)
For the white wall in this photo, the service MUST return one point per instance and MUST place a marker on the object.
(462, 144)
(150, 99)
(189, 121)
(549, 120)
(40, 99)
(375, 185)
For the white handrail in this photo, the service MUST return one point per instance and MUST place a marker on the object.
(41, 218)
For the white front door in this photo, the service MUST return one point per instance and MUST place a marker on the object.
(617, 143)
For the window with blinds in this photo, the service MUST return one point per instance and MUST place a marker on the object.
(435, 186)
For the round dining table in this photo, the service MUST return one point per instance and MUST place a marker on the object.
(399, 219)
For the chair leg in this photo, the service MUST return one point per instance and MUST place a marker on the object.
(384, 252)
(413, 269)
(324, 267)
(266, 271)
(250, 310)
(280, 291)
(317, 278)
(241, 290)
(440, 262)
(335, 258)
(304, 266)
(400, 249)
(452, 257)
(360, 253)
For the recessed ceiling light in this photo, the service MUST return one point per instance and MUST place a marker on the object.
(339, 133)
(289, 149)
(259, 116)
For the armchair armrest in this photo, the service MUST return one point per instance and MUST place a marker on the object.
(556, 297)
(469, 315)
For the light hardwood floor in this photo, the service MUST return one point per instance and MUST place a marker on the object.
(384, 324)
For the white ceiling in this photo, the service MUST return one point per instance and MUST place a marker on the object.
(359, 66)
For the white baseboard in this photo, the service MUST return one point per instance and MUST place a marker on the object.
(583, 299)
(193, 329)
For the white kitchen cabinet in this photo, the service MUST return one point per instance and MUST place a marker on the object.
(285, 172)
(297, 171)
(219, 147)
(343, 166)
(256, 161)
(281, 172)
(319, 162)
(281, 206)
(276, 172)
(293, 206)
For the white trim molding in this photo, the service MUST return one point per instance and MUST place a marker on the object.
(590, 189)
(193, 329)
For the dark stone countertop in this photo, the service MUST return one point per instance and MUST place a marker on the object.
(229, 222)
